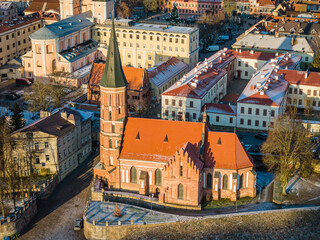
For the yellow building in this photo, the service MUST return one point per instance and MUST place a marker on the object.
(144, 45)
(57, 143)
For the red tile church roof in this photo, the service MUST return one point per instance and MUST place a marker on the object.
(157, 140)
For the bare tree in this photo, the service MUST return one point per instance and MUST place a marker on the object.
(287, 149)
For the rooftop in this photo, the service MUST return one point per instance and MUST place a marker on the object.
(165, 71)
(19, 22)
(64, 27)
(271, 42)
(159, 139)
(200, 79)
(127, 23)
(43, 5)
(301, 77)
(267, 86)
(220, 108)
(79, 51)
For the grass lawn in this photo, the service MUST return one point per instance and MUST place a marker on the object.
(222, 203)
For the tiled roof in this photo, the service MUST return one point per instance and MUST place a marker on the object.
(160, 139)
(266, 3)
(231, 97)
(45, 5)
(301, 77)
(165, 71)
(134, 76)
(252, 55)
(220, 108)
(19, 22)
(267, 86)
(198, 87)
(6, 5)
(224, 150)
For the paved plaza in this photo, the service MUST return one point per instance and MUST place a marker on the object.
(102, 212)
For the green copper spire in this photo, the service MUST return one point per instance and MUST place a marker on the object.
(113, 76)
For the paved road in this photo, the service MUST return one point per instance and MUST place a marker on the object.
(57, 214)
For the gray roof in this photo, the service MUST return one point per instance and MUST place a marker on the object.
(282, 43)
(64, 27)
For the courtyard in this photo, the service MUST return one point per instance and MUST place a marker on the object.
(102, 212)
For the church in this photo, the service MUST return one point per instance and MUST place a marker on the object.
(179, 162)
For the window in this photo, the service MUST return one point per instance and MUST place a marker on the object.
(241, 121)
(309, 92)
(231, 120)
(47, 158)
(295, 91)
(246, 73)
(181, 171)
(242, 110)
(249, 110)
(225, 182)
(247, 65)
(264, 112)
(290, 90)
(272, 113)
(46, 144)
(257, 111)
(209, 180)
(191, 103)
(217, 118)
(37, 159)
(239, 64)
(173, 102)
(166, 101)
(180, 191)
(249, 122)
(300, 102)
(180, 103)
(158, 177)
(257, 123)
(264, 124)
(173, 113)
(110, 143)
(314, 92)
(241, 181)
(133, 175)
(194, 116)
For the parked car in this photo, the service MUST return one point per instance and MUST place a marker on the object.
(23, 81)
(12, 96)
(28, 102)
(220, 41)
(213, 48)
(247, 147)
(315, 139)
(256, 148)
(78, 224)
(262, 136)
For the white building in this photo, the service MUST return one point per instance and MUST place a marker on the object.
(221, 114)
(264, 97)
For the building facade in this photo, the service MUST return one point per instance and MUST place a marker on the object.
(145, 45)
(63, 51)
(60, 148)
(8, 11)
(198, 8)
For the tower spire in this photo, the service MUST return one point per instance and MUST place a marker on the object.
(113, 76)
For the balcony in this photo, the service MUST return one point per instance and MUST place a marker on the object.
(38, 150)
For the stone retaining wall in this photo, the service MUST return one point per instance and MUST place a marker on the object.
(12, 226)
(146, 203)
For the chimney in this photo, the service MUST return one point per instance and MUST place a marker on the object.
(239, 50)
(292, 41)
(251, 52)
(277, 54)
(195, 69)
(262, 93)
(252, 87)
(306, 74)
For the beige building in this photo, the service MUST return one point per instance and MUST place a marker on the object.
(63, 50)
(57, 143)
(101, 9)
(145, 45)
(8, 11)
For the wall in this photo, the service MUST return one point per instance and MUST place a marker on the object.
(8, 229)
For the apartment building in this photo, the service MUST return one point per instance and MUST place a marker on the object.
(63, 50)
(304, 89)
(14, 38)
(145, 45)
(8, 11)
(183, 101)
(195, 7)
(57, 143)
(264, 97)
(243, 7)
(262, 7)
(165, 75)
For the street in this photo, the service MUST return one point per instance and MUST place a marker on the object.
(57, 214)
